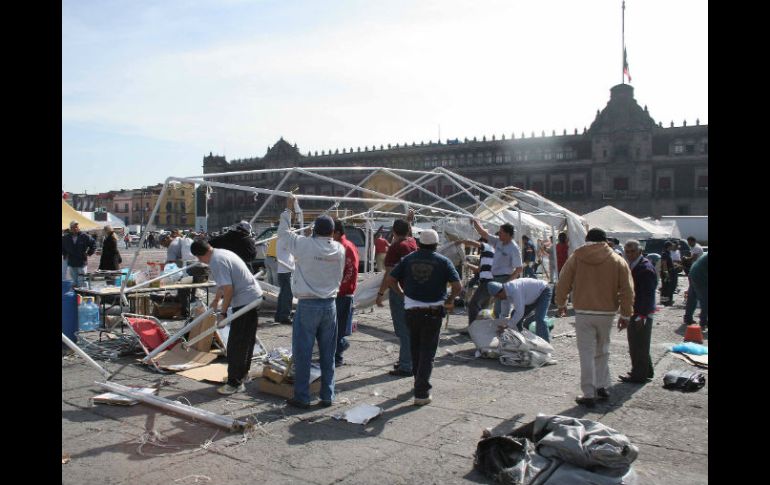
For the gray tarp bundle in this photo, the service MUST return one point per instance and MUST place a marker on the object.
(558, 450)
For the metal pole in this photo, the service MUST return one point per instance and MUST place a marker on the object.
(226, 422)
(277, 187)
(85, 356)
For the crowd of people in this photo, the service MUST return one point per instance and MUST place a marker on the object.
(607, 285)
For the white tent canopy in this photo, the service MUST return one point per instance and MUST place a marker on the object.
(668, 226)
(624, 226)
(113, 220)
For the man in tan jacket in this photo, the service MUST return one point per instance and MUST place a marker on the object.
(600, 282)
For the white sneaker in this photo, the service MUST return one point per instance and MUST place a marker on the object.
(422, 401)
(227, 389)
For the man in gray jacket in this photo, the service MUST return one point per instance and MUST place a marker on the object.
(319, 264)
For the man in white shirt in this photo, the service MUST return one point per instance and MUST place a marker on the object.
(526, 295)
(319, 263)
(506, 262)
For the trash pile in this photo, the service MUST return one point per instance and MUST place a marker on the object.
(558, 450)
(511, 347)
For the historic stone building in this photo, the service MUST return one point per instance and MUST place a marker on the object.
(624, 159)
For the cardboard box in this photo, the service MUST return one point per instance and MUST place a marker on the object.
(273, 375)
(284, 389)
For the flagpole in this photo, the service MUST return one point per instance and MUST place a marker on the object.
(623, 46)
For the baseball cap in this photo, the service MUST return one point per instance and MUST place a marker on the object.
(493, 287)
(74, 223)
(323, 226)
(428, 236)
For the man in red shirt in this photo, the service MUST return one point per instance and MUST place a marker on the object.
(403, 244)
(562, 251)
(344, 300)
(381, 246)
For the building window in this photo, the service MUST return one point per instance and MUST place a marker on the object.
(557, 187)
(678, 148)
(181, 207)
(169, 207)
(559, 155)
(664, 184)
(578, 186)
(547, 155)
(604, 153)
(703, 182)
(125, 207)
(620, 183)
(689, 149)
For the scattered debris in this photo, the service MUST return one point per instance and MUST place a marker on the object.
(65, 459)
(118, 400)
(361, 414)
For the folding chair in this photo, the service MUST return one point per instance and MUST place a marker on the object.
(149, 331)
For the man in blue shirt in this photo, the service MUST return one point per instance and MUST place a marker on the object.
(425, 275)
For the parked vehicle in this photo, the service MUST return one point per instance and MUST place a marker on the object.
(259, 262)
(656, 246)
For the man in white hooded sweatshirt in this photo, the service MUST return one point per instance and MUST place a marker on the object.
(319, 264)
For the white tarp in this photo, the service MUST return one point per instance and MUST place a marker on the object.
(113, 220)
(668, 226)
(624, 226)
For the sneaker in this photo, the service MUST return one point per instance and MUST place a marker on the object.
(298, 404)
(422, 401)
(324, 403)
(227, 389)
(602, 394)
(339, 363)
(400, 373)
(345, 346)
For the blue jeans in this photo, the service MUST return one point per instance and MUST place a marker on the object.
(540, 307)
(76, 275)
(697, 294)
(344, 305)
(285, 297)
(398, 315)
(316, 319)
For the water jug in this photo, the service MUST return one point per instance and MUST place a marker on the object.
(84, 315)
(69, 310)
(95, 320)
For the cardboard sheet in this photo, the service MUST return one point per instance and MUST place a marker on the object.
(692, 359)
(216, 373)
(178, 359)
(203, 345)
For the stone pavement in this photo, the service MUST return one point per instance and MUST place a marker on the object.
(407, 444)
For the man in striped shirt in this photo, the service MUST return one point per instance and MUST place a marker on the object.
(481, 297)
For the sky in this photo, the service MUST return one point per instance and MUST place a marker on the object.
(151, 87)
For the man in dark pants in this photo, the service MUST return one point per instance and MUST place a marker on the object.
(506, 265)
(344, 300)
(425, 275)
(698, 291)
(236, 288)
(640, 326)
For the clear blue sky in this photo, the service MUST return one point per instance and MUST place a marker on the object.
(149, 88)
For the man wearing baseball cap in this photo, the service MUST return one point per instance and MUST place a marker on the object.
(526, 295)
(319, 263)
(421, 278)
(76, 246)
(238, 240)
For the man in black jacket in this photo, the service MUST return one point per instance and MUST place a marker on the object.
(640, 325)
(76, 246)
(238, 240)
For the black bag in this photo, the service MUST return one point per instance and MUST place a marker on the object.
(684, 380)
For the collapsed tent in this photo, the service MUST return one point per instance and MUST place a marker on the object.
(624, 226)
(69, 214)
